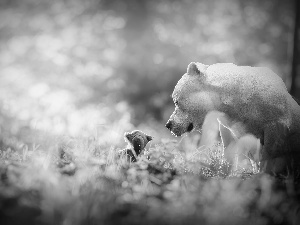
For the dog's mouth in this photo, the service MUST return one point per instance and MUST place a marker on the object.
(190, 127)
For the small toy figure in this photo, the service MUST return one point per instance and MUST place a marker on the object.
(137, 141)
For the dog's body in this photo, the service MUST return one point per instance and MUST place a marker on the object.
(253, 96)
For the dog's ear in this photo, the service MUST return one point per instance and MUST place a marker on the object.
(196, 69)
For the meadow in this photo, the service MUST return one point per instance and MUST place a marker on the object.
(80, 182)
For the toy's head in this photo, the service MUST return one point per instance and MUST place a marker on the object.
(137, 140)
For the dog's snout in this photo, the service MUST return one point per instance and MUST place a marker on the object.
(169, 125)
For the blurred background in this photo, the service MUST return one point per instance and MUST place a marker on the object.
(97, 68)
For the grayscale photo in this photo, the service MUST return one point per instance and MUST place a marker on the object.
(136, 112)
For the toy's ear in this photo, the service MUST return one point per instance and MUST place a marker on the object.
(149, 138)
(128, 136)
(196, 69)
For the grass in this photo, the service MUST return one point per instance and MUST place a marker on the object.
(79, 182)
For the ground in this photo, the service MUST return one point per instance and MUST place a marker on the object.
(170, 188)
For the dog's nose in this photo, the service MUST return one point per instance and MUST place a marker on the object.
(169, 125)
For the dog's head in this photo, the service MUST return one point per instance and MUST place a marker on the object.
(192, 101)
